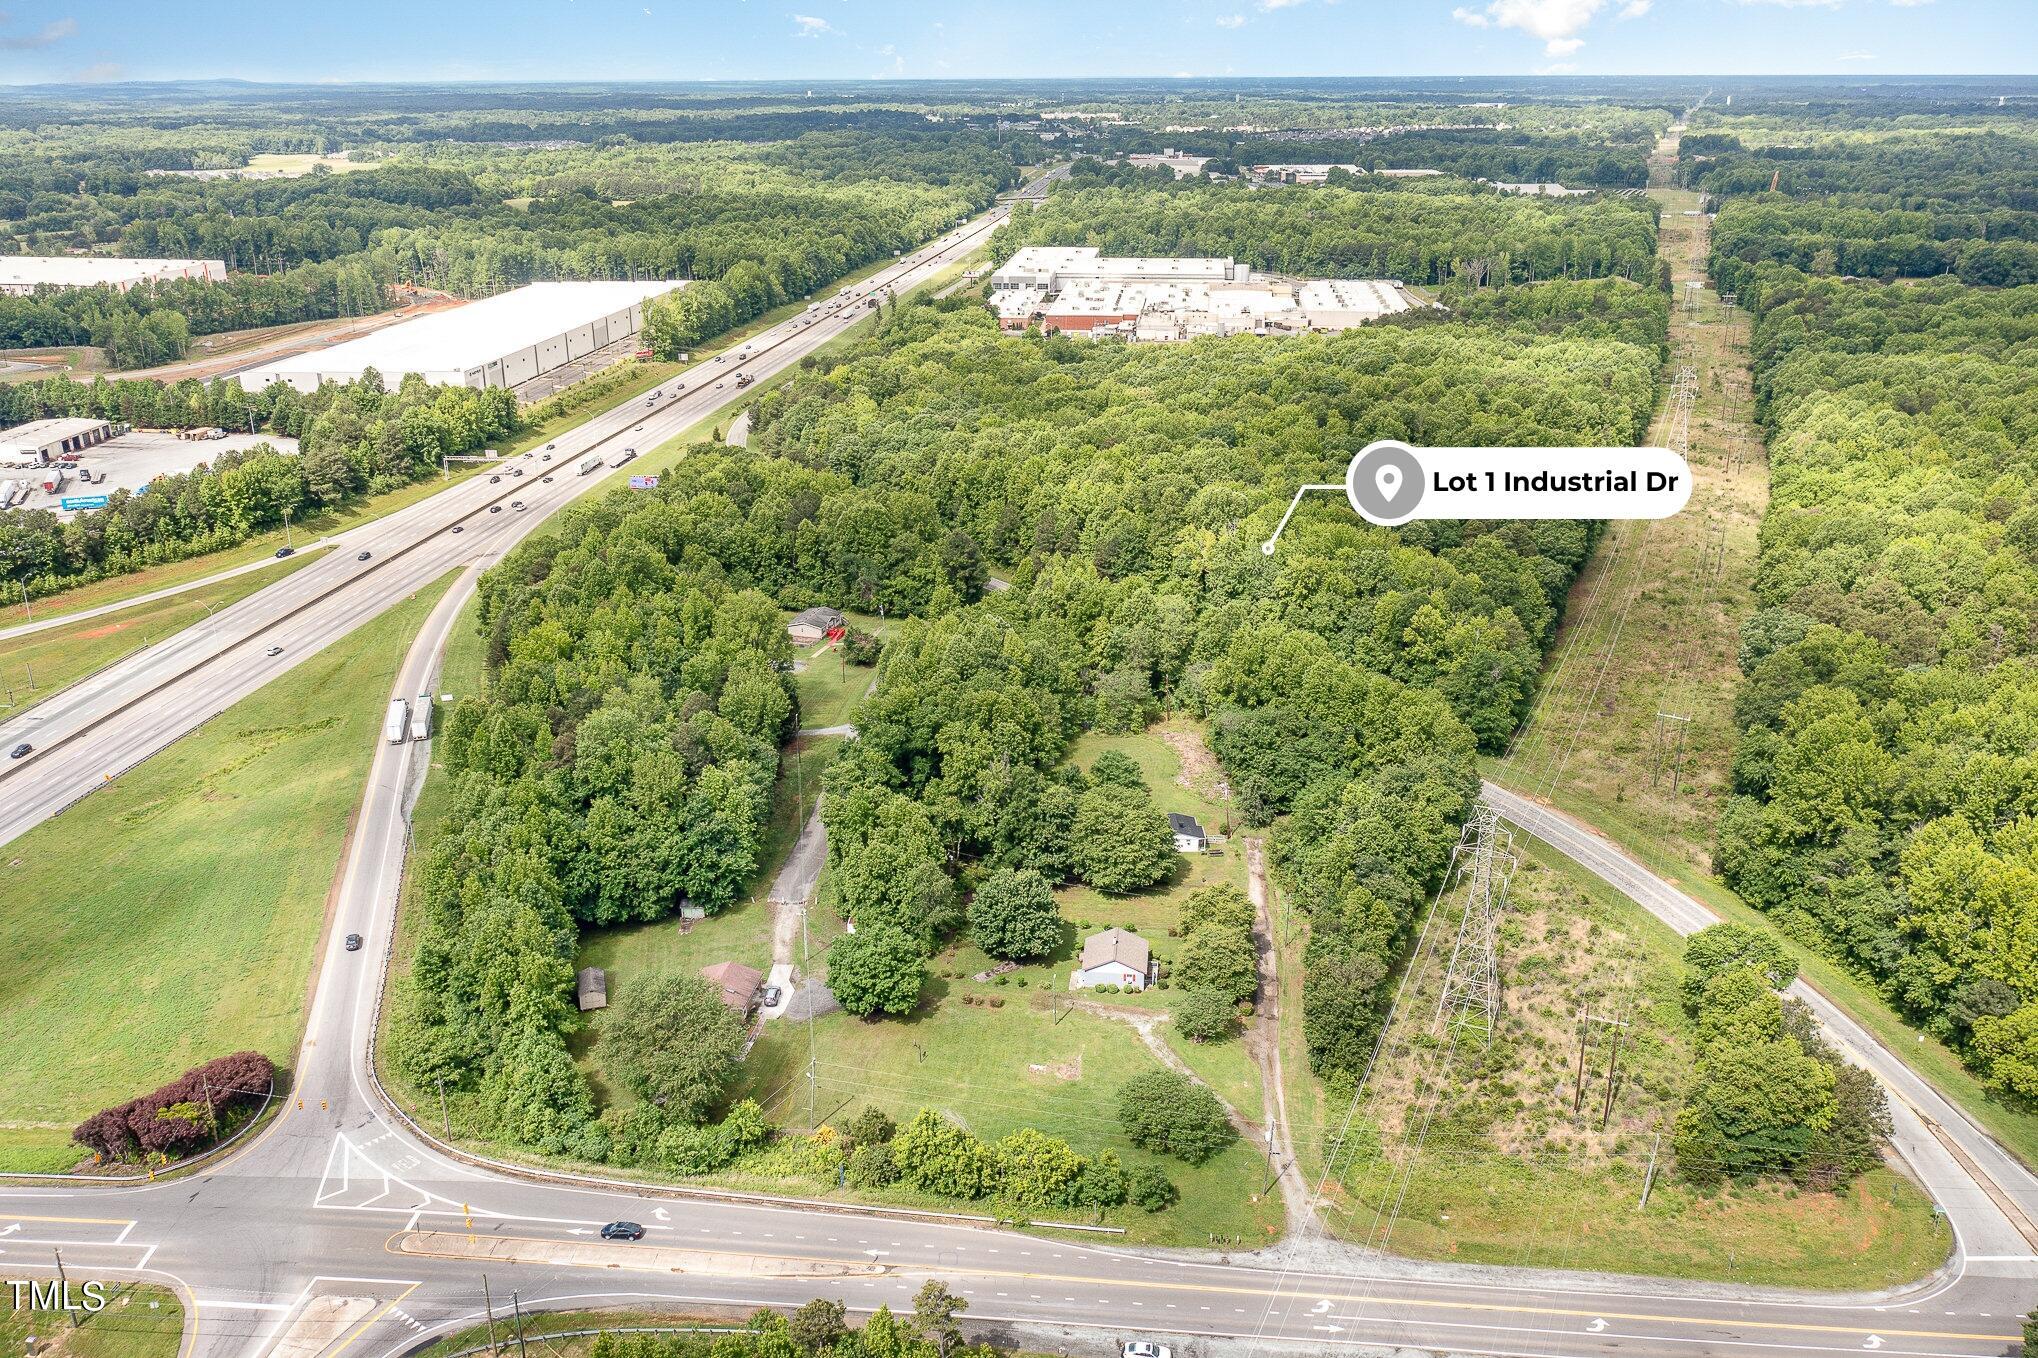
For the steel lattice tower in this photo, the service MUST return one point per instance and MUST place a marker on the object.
(1483, 863)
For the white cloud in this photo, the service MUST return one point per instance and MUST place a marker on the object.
(1634, 9)
(1231, 21)
(1557, 68)
(807, 26)
(100, 72)
(1557, 22)
(1856, 56)
(1271, 5)
(1909, 4)
(1795, 4)
(42, 37)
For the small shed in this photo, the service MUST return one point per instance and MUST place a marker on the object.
(1115, 957)
(1189, 834)
(593, 989)
(812, 624)
(736, 983)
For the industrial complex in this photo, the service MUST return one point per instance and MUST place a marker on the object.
(1078, 290)
(499, 342)
(21, 275)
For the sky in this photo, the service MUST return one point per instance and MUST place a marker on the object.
(72, 41)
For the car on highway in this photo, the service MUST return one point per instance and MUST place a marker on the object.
(362, 556)
(516, 504)
(273, 650)
(622, 1230)
(460, 528)
(546, 458)
(516, 471)
(20, 751)
(353, 943)
(550, 446)
(286, 551)
(720, 357)
(1145, 1348)
(495, 509)
(718, 386)
(548, 478)
(638, 430)
(493, 479)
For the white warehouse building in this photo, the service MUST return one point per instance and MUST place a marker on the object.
(500, 341)
(21, 275)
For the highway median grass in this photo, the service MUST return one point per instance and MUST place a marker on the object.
(173, 915)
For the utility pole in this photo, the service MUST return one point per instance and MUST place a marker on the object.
(1663, 742)
(1612, 1074)
(488, 1307)
(445, 1117)
(286, 530)
(806, 970)
(211, 1109)
(64, 1286)
(516, 1306)
(1585, 1022)
(1649, 1179)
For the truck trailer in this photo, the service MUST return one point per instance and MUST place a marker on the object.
(397, 724)
(590, 464)
(421, 718)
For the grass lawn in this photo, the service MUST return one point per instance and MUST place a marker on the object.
(61, 656)
(830, 688)
(1029, 1064)
(139, 1320)
(209, 870)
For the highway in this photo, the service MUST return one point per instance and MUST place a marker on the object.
(343, 1225)
(97, 729)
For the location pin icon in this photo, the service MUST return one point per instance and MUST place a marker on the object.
(1384, 482)
(1388, 479)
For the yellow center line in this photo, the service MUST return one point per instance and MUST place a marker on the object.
(75, 1221)
(362, 1328)
(1272, 1294)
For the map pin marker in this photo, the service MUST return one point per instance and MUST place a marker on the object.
(1388, 479)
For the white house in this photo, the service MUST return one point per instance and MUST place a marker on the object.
(1114, 957)
(811, 625)
(1189, 836)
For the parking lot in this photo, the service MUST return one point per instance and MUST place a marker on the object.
(131, 462)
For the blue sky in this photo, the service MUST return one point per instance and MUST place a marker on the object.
(920, 39)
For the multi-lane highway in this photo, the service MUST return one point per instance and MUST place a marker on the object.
(344, 1225)
(97, 729)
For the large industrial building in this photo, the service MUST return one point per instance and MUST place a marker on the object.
(501, 341)
(1076, 290)
(21, 275)
(41, 442)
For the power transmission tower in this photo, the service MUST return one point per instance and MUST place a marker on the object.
(1483, 863)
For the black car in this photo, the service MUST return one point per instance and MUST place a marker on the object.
(622, 1230)
(353, 943)
(362, 556)
(458, 529)
(493, 479)
(516, 504)
(285, 551)
(20, 751)
(495, 509)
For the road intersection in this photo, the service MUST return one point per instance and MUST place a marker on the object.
(346, 1225)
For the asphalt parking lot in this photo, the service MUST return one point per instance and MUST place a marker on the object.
(131, 462)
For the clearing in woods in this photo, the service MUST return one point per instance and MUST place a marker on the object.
(1653, 623)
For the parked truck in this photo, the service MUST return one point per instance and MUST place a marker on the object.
(421, 718)
(589, 464)
(55, 479)
(396, 725)
(744, 379)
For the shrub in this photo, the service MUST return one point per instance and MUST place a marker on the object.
(1103, 1181)
(873, 1126)
(1202, 1016)
(939, 1156)
(1170, 1113)
(184, 1116)
(872, 1165)
(1151, 1189)
(695, 1150)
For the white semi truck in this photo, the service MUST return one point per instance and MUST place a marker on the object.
(396, 725)
(421, 718)
(590, 464)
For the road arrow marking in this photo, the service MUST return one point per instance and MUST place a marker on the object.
(1319, 1308)
(1329, 1329)
(1874, 1342)
(1597, 1325)
(12, 1228)
(580, 1230)
(661, 1214)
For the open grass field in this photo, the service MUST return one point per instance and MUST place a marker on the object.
(292, 165)
(193, 932)
(34, 666)
(1032, 1063)
(140, 1320)
(1494, 1166)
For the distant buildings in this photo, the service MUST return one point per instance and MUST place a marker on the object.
(41, 442)
(1184, 167)
(1079, 290)
(1317, 173)
(21, 275)
(1541, 190)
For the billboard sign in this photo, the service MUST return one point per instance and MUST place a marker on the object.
(83, 502)
(643, 483)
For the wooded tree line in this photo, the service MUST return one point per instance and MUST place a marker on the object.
(1886, 807)
(1994, 247)
(1995, 167)
(625, 749)
(1421, 235)
(354, 439)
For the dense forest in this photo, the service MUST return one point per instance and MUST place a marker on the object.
(1886, 806)
(768, 218)
(1349, 680)
(1425, 234)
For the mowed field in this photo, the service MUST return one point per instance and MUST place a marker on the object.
(172, 916)
(139, 1321)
